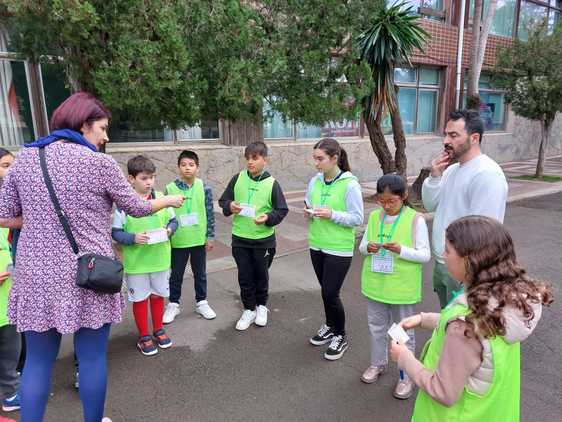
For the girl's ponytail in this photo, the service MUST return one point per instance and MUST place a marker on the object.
(343, 162)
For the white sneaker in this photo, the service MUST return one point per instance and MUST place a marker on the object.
(248, 317)
(202, 308)
(172, 310)
(261, 315)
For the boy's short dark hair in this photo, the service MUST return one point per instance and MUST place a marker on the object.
(473, 123)
(140, 164)
(256, 148)
(188, 154)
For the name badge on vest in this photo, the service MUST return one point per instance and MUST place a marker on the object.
(248, 210)
(383, 264)
(157, 236)
(190, 219)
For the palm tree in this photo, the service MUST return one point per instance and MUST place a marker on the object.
(394, 34)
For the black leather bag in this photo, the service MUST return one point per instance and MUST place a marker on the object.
(95, 272)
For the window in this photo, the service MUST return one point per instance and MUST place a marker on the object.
(492, 103)
(430, 9)
(16, 121)
(418, 95)
(54, 88)
(503, 22)
(275, 126)
(534, 12)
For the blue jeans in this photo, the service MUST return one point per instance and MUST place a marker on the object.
(42, 350)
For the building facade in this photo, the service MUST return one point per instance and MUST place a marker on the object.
(428, 91)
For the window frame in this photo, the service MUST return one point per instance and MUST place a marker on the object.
(418, 86)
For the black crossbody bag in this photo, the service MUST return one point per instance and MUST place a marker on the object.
(95, 272)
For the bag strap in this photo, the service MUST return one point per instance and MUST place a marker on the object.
(60, 213)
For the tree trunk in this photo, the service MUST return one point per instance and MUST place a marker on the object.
(545, 137)
(416, 188)
(473, 75)
(379, 145)
(480, 31)
(241, 132)
(400, 159)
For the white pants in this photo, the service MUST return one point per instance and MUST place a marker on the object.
(381, 316)
(141, 286)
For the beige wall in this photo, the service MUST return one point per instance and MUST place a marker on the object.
(291, 161)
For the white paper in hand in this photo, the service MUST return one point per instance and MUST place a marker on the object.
(398, 334)
(248, 210)
(157, 236)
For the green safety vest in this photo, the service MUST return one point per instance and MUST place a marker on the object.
(324, 233)
(499, 403)
(258, 194)
(404, 286)
(196, 235)
(141, 259)
(5, 260)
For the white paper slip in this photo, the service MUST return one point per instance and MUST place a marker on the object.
(382, 263)
(157, 236)
(309, 211)
(248, 210)
(397, 333)
(190, 219)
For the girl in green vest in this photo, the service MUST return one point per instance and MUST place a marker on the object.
(334, 205)
(470, 368)
(395, 246)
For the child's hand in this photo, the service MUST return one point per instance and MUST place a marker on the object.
(235, 208)
(141, 238)
(169, 232)
(308, 212)
(413, 321)
(396, 350)
(261, 219)
(393, 247)
(373, 247)
(209, 245)
(3, 277)
(323, 213)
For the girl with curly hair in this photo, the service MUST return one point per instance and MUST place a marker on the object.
(472, 361)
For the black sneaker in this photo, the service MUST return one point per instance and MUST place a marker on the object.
(337, 348)
(323, 336)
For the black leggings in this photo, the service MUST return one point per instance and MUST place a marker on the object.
(331, 271)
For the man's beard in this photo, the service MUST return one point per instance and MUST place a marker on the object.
(455, 153)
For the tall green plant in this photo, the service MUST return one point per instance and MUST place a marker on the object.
(388, 43)
(531, 73)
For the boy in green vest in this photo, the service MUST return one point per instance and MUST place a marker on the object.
(257, 202)
(146, 256)
(193, 238)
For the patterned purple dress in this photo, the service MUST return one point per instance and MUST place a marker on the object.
(87, 184)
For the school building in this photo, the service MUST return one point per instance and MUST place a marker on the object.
(428, 92)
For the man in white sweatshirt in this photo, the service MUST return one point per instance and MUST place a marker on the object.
(475, 185)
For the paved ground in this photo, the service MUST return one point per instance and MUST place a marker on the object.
(214, 373)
